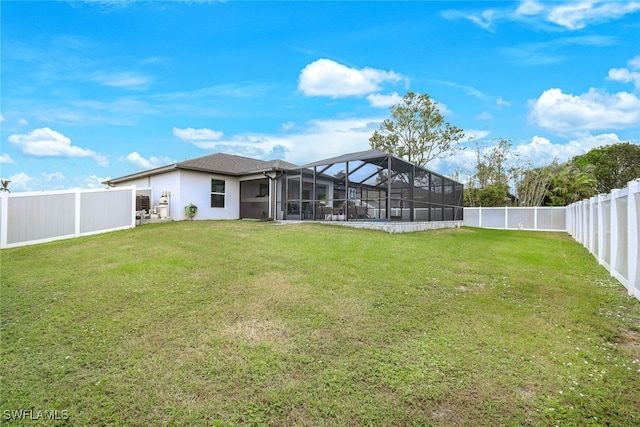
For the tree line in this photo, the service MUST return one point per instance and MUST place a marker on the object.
(417, 131)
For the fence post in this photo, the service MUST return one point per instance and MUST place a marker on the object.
(585, 222)
(633, 239)
(592, 217)
(578, 227)
(133, 206)
(576, 219)
(78, 197)
(600, 246)
(506, 217)
(479, 216)
(4, 221)
(572, 221)
(613, 257)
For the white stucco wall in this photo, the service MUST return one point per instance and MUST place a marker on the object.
(195, 188)
(191, 187)
(159, 183)
(167, 182)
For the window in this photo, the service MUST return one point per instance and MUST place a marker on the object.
(217, 193)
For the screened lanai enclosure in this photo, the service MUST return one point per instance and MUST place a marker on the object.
(369, 186)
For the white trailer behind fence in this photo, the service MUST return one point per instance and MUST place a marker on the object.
(29, 218)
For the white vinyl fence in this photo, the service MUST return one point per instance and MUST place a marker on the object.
(607, 225)
(30, 218)
(534, 218)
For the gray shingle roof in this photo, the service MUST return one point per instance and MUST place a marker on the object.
(225, 164)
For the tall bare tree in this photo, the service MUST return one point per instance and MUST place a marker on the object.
(489, 184)
(532, 184)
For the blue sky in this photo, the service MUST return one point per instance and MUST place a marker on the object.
(92, 90)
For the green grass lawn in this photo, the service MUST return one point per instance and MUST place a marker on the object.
(255, 323)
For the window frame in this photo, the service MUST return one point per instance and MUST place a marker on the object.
(218, 195)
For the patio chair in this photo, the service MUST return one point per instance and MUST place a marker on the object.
(361, 212)
(327, 212)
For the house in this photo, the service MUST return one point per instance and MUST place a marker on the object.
(364, 186)
(221, 186)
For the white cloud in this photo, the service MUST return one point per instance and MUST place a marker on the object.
(317, 139)
(313, 141)
(625, 75)
(46, 142)
(229, 90)
(2, 119)
(23, 122)
(53, 177)
(444, 110)
(540, 151)
(501, 102)
(573, 15)
(578, 14)
(484, 19)
(151, 162)
(19, 181)
(593, 110)
(470, 90)
(462, 162)
(288, 126)
(94, 181)
(197, 135)
(123, 111)
(323, 139)
(475, 134)
(484, 116)
(529, 7)
(378, 100)
(543, 53)
(126, 80)
(325, 77)
(101, 160)
(5, 158)
(257, 146)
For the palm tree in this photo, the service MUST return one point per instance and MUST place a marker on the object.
(572, 184)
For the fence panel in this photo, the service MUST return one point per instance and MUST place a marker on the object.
(605, 212)
(552, 218)
(493, 217)
(521, 218)
(471, 217)
(514, 218)
(607, 225)
(103, 210)
(634, 239)
(620, 255)
(30, 218)
(40, 217)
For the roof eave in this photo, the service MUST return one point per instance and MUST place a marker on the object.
(138, 175)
